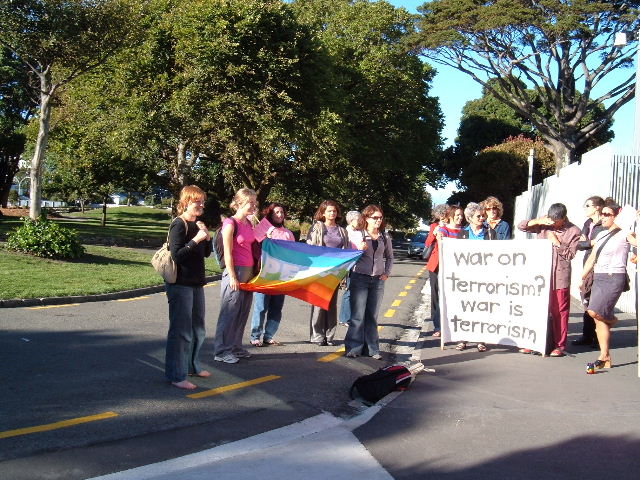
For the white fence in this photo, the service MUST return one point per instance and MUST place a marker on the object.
(601, 172)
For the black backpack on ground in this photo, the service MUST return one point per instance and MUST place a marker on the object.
(377, 385)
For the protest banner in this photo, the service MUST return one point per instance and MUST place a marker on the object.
(495, 292)
(308, 272)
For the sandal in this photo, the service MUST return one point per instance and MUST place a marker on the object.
(436, 333)
(271, 342)
(461, 346)
(256, 343)
(482, 347)
(557, 353)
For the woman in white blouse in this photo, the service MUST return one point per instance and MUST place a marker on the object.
(609, 262)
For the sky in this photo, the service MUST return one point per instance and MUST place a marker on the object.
(454, 89)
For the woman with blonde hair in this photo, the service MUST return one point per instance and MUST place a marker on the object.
(326, 232)
(494, 210)
(189, 243)
(235, 304)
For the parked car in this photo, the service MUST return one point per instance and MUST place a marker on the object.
(416, 244)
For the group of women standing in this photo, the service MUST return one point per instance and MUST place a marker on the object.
(484, 222)
(190, 242)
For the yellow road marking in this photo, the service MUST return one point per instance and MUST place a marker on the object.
(213, 284)
(380, 327)
(131, 299)
(390, 313)
(332, 356)
(235, 386)
(396, 303)
(56, 425)
(408, 287)
(54, 306)
(402, 294)
(412, 281)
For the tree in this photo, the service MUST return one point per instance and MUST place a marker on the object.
(556, 52)
(16, 108)
(502, 171)
(379, 135)
(488, 121)
(59, 40)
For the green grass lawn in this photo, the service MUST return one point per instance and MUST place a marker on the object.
(101, 270)
(126, 226)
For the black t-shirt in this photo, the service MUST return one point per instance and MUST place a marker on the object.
(188, 255)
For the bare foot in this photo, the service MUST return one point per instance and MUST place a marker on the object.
(185, 384)
(203, 374)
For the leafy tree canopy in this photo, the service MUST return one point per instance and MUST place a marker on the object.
(549, 58)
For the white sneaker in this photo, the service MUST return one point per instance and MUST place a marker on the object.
(226, 358)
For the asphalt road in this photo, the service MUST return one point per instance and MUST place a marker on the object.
(84, 392)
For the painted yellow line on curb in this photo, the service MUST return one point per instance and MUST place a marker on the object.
(211, 284)
(131, 299)
(402, 294)
(235, 386)
(332, 356)
(390, 313)
(54, 306)
(408, 287)
(396, 303)
(56, 425)
(412, 281)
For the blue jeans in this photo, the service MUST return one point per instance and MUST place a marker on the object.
(186, 331)
(345, 307)
(366, 296)
(235, 306)
(271, 307)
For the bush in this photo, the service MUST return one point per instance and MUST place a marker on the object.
(44, 238)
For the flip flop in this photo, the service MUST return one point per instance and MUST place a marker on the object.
(256, 343)
(272, 342)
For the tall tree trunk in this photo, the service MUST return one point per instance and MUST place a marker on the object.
(35, 195)
(563, 151)
(103, 221)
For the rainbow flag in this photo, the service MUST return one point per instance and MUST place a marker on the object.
(303, 271)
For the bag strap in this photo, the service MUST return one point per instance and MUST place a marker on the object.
(607, 238)
(186, 228)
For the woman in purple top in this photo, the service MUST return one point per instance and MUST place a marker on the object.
(368, 277)
(235, 304)
(264, 305)
(326, 232)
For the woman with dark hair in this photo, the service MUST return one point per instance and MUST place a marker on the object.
(189, 243)
(235, 304)
(367, 285)
(326, 232)
(494, 210)
(439, 215)
(269, 306)
(609, 262)
(449, 226)
(590, 230)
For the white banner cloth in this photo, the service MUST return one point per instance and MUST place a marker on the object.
(495, 291)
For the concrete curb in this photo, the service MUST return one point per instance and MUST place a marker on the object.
(101, 297)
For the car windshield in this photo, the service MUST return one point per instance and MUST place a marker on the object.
(420, 237)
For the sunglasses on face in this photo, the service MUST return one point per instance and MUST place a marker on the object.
(607, 214)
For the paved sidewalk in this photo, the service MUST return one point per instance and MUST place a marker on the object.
(323, 447)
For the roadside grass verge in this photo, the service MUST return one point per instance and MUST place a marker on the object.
(101, 270)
